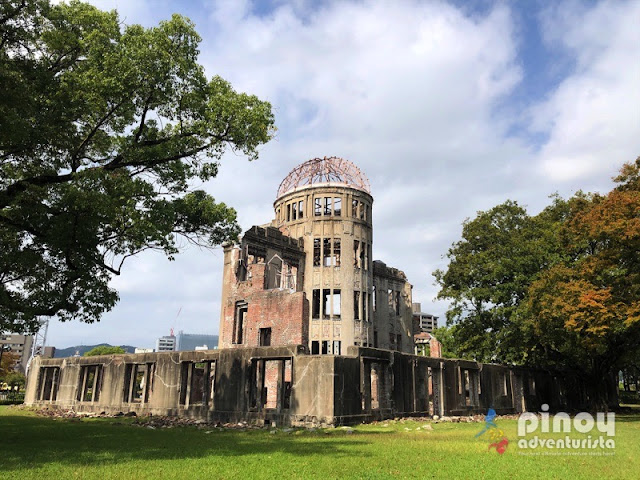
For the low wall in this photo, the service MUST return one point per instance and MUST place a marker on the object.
(286, 385)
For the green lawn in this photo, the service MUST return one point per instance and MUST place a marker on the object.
(101, 448)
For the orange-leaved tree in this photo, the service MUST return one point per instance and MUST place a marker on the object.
(584, 313)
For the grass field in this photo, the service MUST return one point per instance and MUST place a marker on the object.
(104, 448)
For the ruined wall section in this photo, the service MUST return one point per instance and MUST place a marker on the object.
(262, 299)
(286, 385)
(393, 316)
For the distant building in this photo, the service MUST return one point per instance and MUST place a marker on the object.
(49, 352)
(143, 350)
(425, 321)
(426, 345)
(192, 341)
(20, 345)
(166, 344)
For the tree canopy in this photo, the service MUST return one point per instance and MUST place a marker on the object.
(103, 129)
(103, 350)
(560, 289)
(7, 362)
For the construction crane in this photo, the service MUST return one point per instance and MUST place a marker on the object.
(39, 341)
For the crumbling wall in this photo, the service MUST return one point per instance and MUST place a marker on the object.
(286, 385)
(393, 314)
(262, 299)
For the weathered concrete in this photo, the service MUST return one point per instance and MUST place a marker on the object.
(286, 385)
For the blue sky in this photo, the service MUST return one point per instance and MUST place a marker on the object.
(448, 107)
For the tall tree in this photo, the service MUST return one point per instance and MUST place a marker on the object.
(585, 312)
(102, 130)
(490, 270)
(560, 290)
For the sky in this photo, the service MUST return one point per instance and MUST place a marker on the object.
(449, 108)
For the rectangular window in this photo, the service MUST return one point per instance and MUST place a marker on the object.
(48, 383)
(315, 347)
(362, 210)
(301, 209)
(325, 347)
(336, 252)
(363, 248)
(239, 322)
(337, 206)
(198, 384)
(375, 339)
(375, 299)
(317, 206)
(326, 313)
(356, 305)
(197, 381)
(136, 382)
(316, 252)
(327, 261)
(139, 391)
(327, 206)
(366, 213)
(356, 253)
(89, 383)
(354, 208)
(288, 212)
(294, 210)
(392, 297)
(336, 304)
(397, 303)
(367, 258)
(399, 342)
(315, 309)
(336, 347)
(364, 306)
(331, 303)
(265, 337)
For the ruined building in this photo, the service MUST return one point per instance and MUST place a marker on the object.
(312, 330)
(309, 277)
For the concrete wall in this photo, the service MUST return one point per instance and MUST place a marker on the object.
(286, 385)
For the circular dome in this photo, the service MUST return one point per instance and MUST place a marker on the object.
(332, 170)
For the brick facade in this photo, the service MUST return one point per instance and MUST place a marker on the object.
(282, 310)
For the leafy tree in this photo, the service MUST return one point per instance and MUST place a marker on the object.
(103, 129)
(490, 270)
(9, 359)
(103, 350)
(560, 290)
(585, 312)
(449, 341)
(15, 379)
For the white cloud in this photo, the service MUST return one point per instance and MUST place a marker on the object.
(412, 93)
(593, 118)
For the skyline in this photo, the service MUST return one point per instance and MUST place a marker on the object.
(448, 110)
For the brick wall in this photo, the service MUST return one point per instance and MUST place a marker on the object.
(283, 311)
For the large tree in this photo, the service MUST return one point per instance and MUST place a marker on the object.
(490, 270)
(103, 127)
(560, 289)
(584, 312)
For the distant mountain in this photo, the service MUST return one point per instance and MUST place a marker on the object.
(71, 351)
